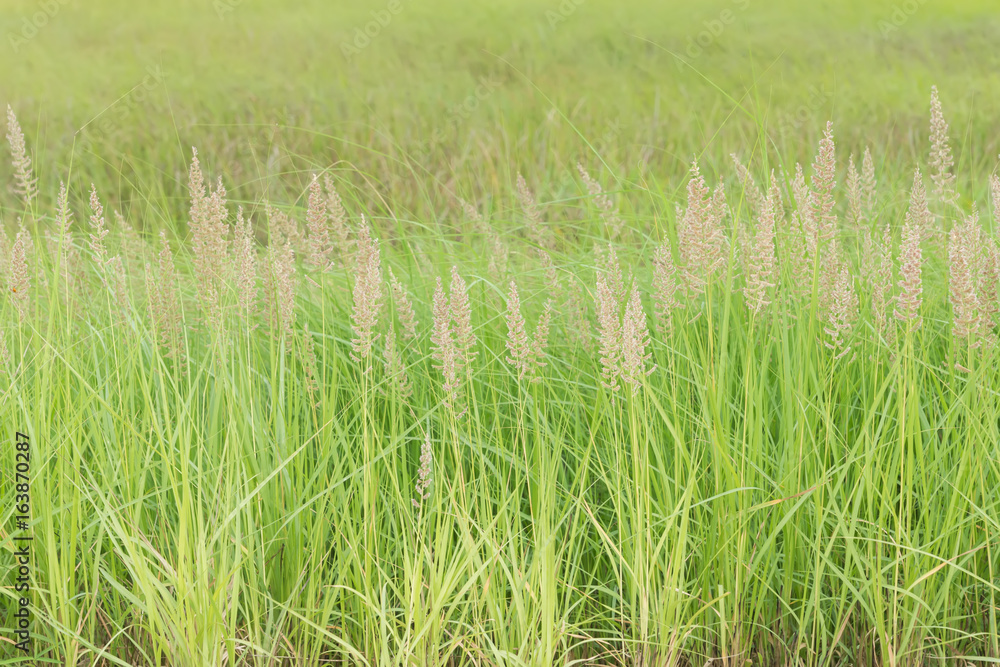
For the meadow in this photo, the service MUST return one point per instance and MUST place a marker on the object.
(580, 333)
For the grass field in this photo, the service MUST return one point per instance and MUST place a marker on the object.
(408, 333)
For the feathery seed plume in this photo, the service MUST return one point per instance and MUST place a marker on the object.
(25, 183)
(318, 245)
(664, 288)
(870, 195)
(761, 275)
(338, 218)
(855, 214)
(609, 325)
(843, 312)
(395, 368)
(517, 337)
(821, 201)
(18, 281)
(404, 309)
(443, 345)
(367, 294)
(700, 235)
(245, 265)
(536, 230)
(603, 203)
(748, 185)
(964, 302)
(918, 210)
(941, 160)
(425, 475)
(461, 317)
(910, 266)
(635, 339)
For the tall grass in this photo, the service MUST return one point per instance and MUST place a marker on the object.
(788, 470)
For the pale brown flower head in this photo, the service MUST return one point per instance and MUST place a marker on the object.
(855, 207)
(475, 217)
(918, 211)
(279, 289)
(664, 288)
(821, 201)
(962, 291)
(608, 265)
(425, 474)
(868, 186)
(761, 274)
(605, 206)
(499, 258)
(165, 305)
(209, 244)
(318, 246)
(404, 308)
(995, 195)
(518, 344)
(577, 322)
(461, 317)
(25, 183)
(395, 367)
(339, 229)
(98, 249)
(551, 273)
(910, 282)
(443, 349)
(635, 340)
(843, 312)
(537, 231)
(941, 160)
(19, 283)
(703, 244)
(989, 286)
(749, 187)
(245, 266)
(540, 341)
(609, 325)
(367, 294)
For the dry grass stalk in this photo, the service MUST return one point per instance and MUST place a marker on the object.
(961, 284)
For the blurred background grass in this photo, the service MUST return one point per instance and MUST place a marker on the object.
(117, 92)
